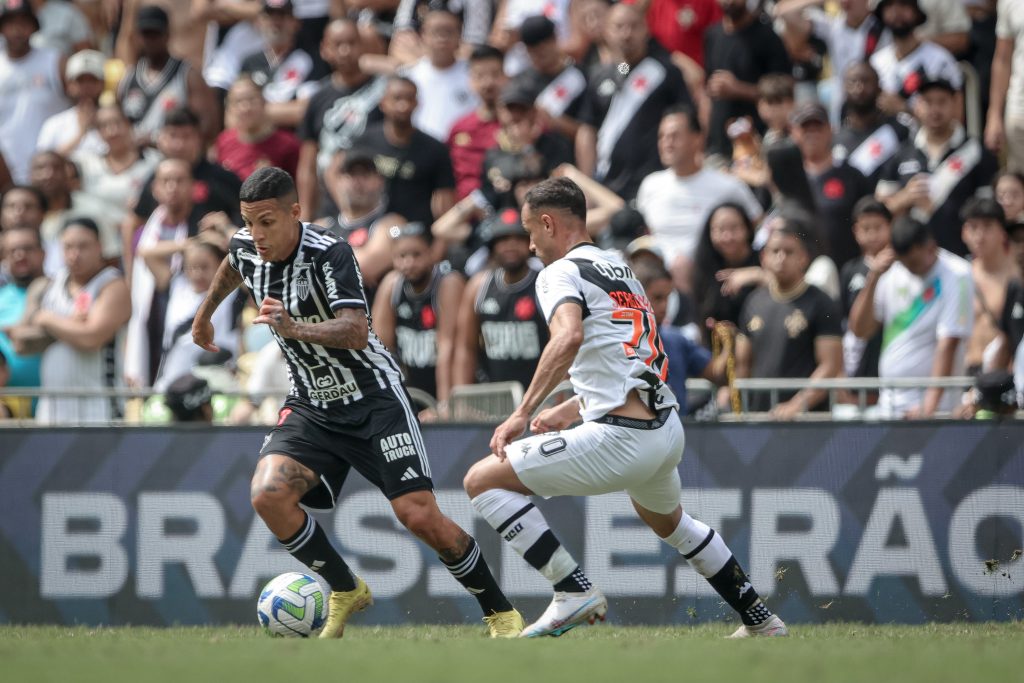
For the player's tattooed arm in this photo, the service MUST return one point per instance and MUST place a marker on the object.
(349, 329)
(281, 474)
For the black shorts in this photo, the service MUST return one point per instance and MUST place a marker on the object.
(378, 435)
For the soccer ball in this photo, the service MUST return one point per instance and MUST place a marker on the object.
(292, 604)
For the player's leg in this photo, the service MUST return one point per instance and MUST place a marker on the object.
(394, 458)
(657, 503)
(500, 496)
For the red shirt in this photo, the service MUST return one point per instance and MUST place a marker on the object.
(280, 149)
(468, 142)
(679, 25)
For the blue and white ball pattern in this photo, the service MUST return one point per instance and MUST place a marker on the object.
(293, 605)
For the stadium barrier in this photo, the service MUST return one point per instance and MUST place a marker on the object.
(876, 522)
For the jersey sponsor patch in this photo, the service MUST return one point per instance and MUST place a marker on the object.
(396, 446)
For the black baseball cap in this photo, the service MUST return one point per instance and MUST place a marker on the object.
(995, 391)
(922, 17)
(186, 396)
(505, 223)
(809, 111)
(15, 8)
(518, 93)
(358, 158)
(535, 30)
(152, 18)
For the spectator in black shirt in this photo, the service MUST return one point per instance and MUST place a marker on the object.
(789, 328)
(337, 114)
(737, 53)
(617, 142)
(868, 137)
(559, 83)
(836, 185)
(872, 228)
(415, 166)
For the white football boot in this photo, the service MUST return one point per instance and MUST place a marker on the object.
(567, 611)
(773, 628)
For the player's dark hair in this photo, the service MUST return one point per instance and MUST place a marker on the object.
(687, 112)
(869, 206)
(81, 222)
(648, 271)
(558, 193)
(269, 182)
(182, 117)
(908, 233)
(44, 203)
(482, 53)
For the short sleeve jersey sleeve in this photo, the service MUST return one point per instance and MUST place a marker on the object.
(956, 315)
(337, 269)
(558, 284)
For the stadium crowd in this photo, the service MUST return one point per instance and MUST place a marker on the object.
(806, 189)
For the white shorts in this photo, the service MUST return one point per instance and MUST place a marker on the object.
(597, 458)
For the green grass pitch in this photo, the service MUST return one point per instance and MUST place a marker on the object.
(961, 653)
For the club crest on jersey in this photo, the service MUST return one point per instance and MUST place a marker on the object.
(302, 287)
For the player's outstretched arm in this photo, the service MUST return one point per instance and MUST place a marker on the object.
(224, 282)
(349, 328)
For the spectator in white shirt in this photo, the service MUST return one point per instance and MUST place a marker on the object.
(74, 129)
(677, 201)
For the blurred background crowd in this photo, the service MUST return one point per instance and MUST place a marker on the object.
(806, 188)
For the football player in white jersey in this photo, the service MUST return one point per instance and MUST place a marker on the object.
(603, 333)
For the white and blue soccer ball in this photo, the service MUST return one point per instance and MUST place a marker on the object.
(293, 604)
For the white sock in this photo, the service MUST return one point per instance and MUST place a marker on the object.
(520, 523)
(700, 545)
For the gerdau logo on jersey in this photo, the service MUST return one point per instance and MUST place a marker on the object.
(397, 446)
(511, 340)
(325, 386)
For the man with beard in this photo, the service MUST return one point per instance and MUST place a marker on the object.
(501, 330)
(868, 137)
(22, 252)
(416, 309)
(901, 65)
(737, 53)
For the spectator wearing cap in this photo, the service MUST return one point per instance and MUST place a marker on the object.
(908, 61)
(995, 395)
(835, 184)
(189, 399)
(993, 267)
(789, 328)
(415, 310)
(79, 321)
(74, 129)
(737, 53)
(476, 132)
(281, 69)
(441, 78)
(420, 183)
(254, 139)
(868, 137)
(921, 298)
(158, 83)
(618, 140)
(1005, 121)
(501, 329)
(676, 202)
(939, 169)
(346, 104)
(551, 73)
(33, 82)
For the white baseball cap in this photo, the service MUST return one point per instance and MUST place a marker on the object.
(86, 62)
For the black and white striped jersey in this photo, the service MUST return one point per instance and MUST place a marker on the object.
(319, 279)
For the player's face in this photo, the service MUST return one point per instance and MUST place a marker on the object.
(20, 209)
(274, 225)
(729, 235)
(936, 108)
(512, 252)
(785, 258)
(486, 78)
(658, 292)
(872, 233)
(23, 254)
(984, 237)
(83, 254)
(540, 241)
(412, 258)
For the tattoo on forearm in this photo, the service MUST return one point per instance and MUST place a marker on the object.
(224, 282)
(457, 551)
(337, 333)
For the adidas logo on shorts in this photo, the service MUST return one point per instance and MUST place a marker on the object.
(410, 473)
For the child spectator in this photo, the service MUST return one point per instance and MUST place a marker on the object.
(872, 228)
(775, 102)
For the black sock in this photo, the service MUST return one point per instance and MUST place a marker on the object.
(472, 572)
(735, 588)
(577, 582)
(310, 546)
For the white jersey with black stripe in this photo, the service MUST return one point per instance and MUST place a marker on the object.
(321, 277)
(621, 349)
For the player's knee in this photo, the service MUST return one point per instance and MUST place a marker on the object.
(420, 520)
(267, 502)
(475, 481)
